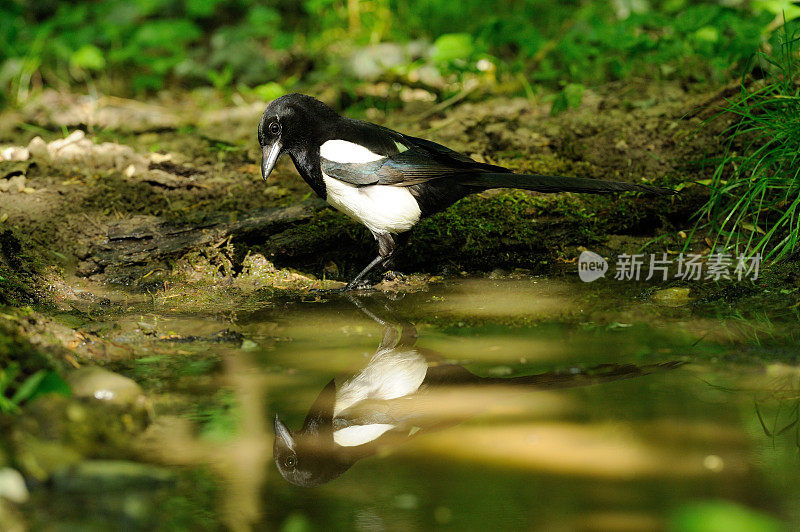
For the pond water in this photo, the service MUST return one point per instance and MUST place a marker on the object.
(510, 404)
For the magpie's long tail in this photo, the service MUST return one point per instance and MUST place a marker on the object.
(547, 183)
(586, 377)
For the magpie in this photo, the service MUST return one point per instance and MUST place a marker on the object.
(399, 395)
(384, 179)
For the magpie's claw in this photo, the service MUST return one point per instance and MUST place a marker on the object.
(359, 286)
(328, 291)
(393, 275)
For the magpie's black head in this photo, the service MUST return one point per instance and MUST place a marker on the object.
(294, 124)
(307, 458)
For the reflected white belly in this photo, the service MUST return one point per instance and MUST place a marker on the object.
(360, 434)
(382, 208)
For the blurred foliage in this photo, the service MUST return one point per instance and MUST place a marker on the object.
(16, 389)
(136, 46)
(25, 372)
(721, 516)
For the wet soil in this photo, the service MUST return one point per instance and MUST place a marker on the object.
(191, 165)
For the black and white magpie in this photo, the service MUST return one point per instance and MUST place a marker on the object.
(384, 179)
(402, 392)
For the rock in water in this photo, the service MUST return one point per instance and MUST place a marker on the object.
(103, 385)
(12, 486)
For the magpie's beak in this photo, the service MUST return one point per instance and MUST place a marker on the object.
(269, 156)
(282, 434)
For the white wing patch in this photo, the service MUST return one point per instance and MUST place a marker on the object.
(360, 434)
(341, 151)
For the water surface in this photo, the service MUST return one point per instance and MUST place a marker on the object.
(518, 404)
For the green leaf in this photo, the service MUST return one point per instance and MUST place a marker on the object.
(7, 406)
(166, 34)
(88, 57)
(574, 94)
(40, 383)
(570, 96)
(707, 34)
(7, 376)
(787, 8)
(721, 516)
(51, 383)
(452, 46)
(221, 79)
(28, 388)
(201, 8)
(269, 91)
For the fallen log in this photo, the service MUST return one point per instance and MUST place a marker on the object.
(146, 239)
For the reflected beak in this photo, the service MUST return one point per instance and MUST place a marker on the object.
(282, 434)
(269, 156)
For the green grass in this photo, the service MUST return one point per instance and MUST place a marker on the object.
(17, 389)
(754, 205)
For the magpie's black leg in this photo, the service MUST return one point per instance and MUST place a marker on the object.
(386, 248)
(352, 284)
(399, 242)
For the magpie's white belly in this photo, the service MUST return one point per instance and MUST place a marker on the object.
(360, 434)
(390, 374)
(382, 208)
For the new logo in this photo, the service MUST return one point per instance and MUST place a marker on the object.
(591, 266)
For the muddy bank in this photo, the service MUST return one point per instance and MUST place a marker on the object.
(107, 201)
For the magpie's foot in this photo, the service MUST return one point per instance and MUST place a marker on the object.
(328, 291)
(392, 275)
(361, 285)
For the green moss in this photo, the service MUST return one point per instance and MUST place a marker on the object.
(16, 349)
(507, 229)
(18, 270)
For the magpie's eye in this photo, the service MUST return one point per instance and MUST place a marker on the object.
(290, 461)
(274, 128)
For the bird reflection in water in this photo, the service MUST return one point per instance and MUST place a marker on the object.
(397, 396)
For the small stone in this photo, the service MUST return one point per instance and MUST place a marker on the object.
(249, 345)
(57, 145)
(498, 273)
(12, 486)
(146, 328)
(103, 385)
(15, 153)
(621, 146)
(672, 297)
(159, 158)
(16, 184)
(38, 148)
(256, 264)
(331, 269)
